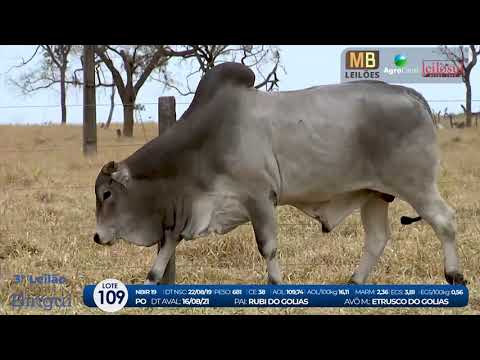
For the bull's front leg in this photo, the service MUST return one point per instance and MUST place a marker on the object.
(163, 269)
(262, 216)
(169, 274)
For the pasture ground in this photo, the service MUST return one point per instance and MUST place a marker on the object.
(47, 217)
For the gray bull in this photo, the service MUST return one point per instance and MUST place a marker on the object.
(326, 150)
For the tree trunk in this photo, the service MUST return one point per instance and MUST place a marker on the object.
(128, 100)
(89, 102)
(468, 121)
(63, 96)
(112, 107)
(128, 119)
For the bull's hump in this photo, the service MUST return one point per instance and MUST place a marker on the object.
(214, 82)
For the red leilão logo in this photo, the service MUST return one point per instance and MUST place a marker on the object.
(442, 68)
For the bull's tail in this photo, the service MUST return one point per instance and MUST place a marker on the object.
(404, 220)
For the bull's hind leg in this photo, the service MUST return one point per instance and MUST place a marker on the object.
(435, 211)
(375, 222)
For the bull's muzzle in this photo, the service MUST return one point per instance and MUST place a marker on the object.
(98, 240)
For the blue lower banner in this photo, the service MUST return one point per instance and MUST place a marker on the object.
(112, 295)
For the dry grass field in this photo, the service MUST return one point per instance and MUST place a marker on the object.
(47, 217)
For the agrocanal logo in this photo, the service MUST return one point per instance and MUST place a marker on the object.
(400, 62)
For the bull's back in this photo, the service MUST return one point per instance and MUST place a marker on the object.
(337, 138)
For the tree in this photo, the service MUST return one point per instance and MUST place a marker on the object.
(112, 107)
(53, 70)
(139, 62)
(100, 81)
(466, 67)
(89, 101)
(206, 57)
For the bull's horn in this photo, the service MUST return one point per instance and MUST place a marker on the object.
(109, 168)
(121, 175)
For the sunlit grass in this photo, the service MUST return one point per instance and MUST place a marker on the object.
(47, 216)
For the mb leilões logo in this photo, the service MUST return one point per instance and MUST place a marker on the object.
(362, 64)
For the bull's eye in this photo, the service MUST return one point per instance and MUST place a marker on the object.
(106, 195)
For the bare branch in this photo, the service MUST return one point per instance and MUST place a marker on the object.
(134, 56)
(154, 62)
(268, 79)
(244, 57)
(98, 83)
(198, 55)
(114, 50)
(52, 55)
(172, 53)
(472, 63)
(189, 92)
(207, 56)
(457, 60)
(30, 87)
(25, 62)
(117, 78)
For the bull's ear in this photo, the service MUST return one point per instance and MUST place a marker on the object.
(110, 168)
(121, 175)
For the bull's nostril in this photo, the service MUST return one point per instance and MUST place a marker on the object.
(96, 238)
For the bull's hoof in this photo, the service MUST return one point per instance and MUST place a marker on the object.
(352, 282)
(151, 279)
(272, 281)
(455, 278)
